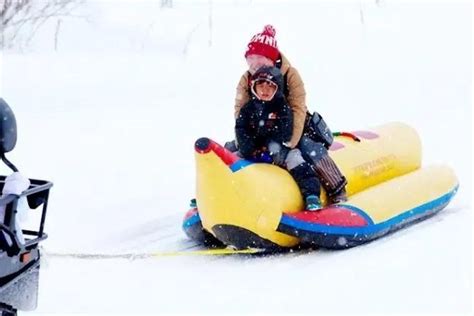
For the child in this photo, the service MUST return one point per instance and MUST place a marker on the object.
(264, 128)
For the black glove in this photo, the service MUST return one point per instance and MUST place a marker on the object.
(278, 152)
(231, 146)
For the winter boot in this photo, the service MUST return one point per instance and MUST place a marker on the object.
(338, 197)
(312, 203)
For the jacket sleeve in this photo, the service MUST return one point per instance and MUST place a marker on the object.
(243, 135)
(242, 94)
(297, 100)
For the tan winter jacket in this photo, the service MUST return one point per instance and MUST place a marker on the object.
(296, 97)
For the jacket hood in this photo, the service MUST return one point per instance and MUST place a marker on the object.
(271, 74)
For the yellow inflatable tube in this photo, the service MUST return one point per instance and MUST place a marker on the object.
(246, 204)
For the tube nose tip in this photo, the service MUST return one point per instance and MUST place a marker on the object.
(202, 145)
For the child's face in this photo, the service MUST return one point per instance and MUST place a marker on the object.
(265, 90)
(256, 61)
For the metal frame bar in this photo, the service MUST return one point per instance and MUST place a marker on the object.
(10, 202)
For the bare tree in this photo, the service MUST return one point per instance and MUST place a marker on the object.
(19, 15)
(166, 3)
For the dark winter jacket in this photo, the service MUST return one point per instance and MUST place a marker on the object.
(295, 94)
(260, 122)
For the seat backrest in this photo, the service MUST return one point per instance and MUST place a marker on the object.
(8, 132)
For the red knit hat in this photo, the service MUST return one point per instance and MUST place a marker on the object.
(264, 44)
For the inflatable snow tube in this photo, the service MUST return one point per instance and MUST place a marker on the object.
(257, 205)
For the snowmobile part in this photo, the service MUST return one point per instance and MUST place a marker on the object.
(12, 253)
(17, 258)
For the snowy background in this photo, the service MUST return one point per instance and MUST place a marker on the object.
(110, 115)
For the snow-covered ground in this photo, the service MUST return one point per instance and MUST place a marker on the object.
(111, 117)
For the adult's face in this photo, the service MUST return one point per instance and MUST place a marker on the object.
(256, 61)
